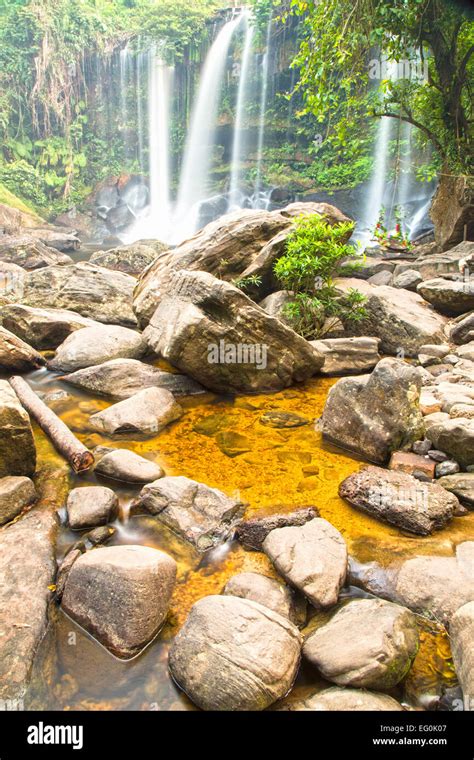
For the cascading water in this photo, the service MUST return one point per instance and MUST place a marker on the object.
(235, 195)
(125, 68)
(377, 183)
(140, 77)
(261, 119)
(159, 89)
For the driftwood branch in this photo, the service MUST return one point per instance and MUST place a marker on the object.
(78, 456)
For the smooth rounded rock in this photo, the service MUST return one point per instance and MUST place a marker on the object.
(91, 506)
(125, 465)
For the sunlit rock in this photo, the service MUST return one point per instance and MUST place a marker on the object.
(94, 345)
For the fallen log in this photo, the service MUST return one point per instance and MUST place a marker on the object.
(65, 442)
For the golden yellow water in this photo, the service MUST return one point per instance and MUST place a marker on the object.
(277, 470)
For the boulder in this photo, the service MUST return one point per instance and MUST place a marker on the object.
(407, 280)
(461, 634)
(16, 493)
(11, 283)
(42, 328)
(451, 297)
(466, 351)
(94, 345)
(252, 533)
(17, 445)
(234, 654)
(202, 515)
(90, 506)
(461, 485)
(463, 330)
(211, 331)
(57, 238)
(122, 378)
(337, 699)
(311, 557)
(120, 595)
(421, 467)
(30, 253)
(16, 355)
(131, 259)
(275, 303)
(347, 356)
(271, 593)
(368, 643)
(453, 436)
(452, 209)
(146, 412)
(92, 291)
(400, 499)
(125, 465)
(228, 248)
(357, 416)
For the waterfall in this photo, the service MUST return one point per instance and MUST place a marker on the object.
(140, 70)
(377, 182)
(194, 178)
(242, 101)
(125, 61)
(263, 105)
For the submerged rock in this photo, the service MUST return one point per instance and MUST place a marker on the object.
(146, 412)
(357, 416)
(213, 332)
(16, 355)
(90, 506)
(16, 493)
(368, 643)
(252, 533)
(17, 445)
(202, 515)
(312, 557)
(348, 356)
(42, 328)
(274, 594)
(234, 654)
(94, 345)
(120, 595)
(451, 297)
(461, 633)
(349, 700)
(400, 499)
(125, 465)
(277, 419)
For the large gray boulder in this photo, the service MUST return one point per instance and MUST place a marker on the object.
(17, 445)
(202, 515)
(451, 297)
(234, 654)
(42, 328)
(92, 291)
(122, 378)
(90, 506)
(30, 253)
(211, 331)
(348, 356)
(312, 557)
(131, 259)
(125, 465)
(337, 699)
(147, 412)
(453, 436)
(461, 632)
(238, 245)
(270, 592)
(368, 643)
(358, 417)
(16, 493)
(400, 499)
(439, 263)
(120, 595)
(16, 355)
(94, 345)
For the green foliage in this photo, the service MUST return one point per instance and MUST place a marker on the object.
(253, 280)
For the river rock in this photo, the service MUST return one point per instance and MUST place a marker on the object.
(202, 515)
(30, 253)
(451, 297)
(125, 465)
(252, 533)
(90, 506)
(347, 356)
(402, 320)
(131, 259)
(461, 634)
(16, 355)
(275, 303)
(421, 467)
(407, 280)
(17, 445)
(146, 412)
(400, 499)
(463, 330)
(357, 416)
(122, 378)
(271, 593)
(312, 557)
(16, 493)
(234, 654)
(337, 699)
(228, 248)
(120, 595)
(453, 436)
(213, 332)
(92, 291)
(466, 351)
(42, 328)
(461, 485)
(27, 568)
(94, 345)
(368, 643)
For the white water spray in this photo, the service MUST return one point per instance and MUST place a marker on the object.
(263, 105)
(242, 100)
(159, 84)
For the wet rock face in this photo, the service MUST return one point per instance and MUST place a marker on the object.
(91, 506)
(338, 699)
(214, 333)
(269, 592)
(42, 328)
(120, 595)
(461, 632)
(93, 345)
(348, 356)
(16, 355)
(234, 654)
(16, 493)
(368, 643)
(124, 465)
(400, 499)
(147, 412)
(313, 558)
(122, 378)
(451, 297)
(252, 533)
(201, 515)
(357, 416)
(17, 445)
